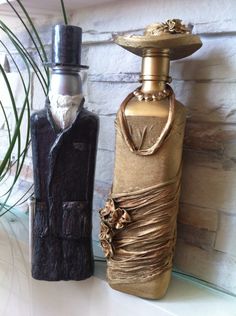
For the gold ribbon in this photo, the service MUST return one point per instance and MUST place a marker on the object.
(144, 248)
(124, 128)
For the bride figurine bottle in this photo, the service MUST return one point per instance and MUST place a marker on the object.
(138, 222)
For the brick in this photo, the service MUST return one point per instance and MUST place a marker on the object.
(43, 23)
(212, 266)
(104, 166)
(206, 184)
(199, 237)
(226, 234)
(4, 143)
(198, 67)
(207, 101)
(27, 173)
(202, 218)
(101, 191)
(29, 153)
(124, 62)
(204, 136)
(17, 89)
(216, 27)
(105, 98)
(10, 119)
(38, 100)
(4, 62)
(21, 191)
(25, 123)
(96, 226)
(122, 16)
(107, 133)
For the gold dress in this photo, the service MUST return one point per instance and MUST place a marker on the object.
(139, 220)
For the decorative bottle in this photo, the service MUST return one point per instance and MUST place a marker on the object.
(138, 222)
(64, 144)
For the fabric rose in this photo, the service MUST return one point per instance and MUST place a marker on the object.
(105, 232)
(107, 210)
(119, 218)
(107, 248)
(173, 26)
(112, 220)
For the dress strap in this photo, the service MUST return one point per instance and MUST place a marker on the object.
(124, 128)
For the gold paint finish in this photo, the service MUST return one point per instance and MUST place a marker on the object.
(155, 67)
(172, 35)
(154, 289)
(156, 168)
(146, 117)
(154, 75)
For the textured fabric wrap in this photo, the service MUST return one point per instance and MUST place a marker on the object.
(138, 230)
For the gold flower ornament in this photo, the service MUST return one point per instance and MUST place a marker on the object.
(112, 220)
(173, 26)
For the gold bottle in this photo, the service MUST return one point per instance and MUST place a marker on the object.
(138, 229)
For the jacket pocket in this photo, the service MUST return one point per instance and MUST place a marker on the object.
(40, 219)
(76, 221)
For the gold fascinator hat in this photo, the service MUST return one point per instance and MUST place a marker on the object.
(172, 35)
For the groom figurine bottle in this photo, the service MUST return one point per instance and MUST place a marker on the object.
(64, 144)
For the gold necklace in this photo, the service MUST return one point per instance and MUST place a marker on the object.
(156, 96)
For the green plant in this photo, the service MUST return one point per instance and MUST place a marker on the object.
(10, 168)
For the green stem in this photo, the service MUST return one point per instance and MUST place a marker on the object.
(22, 50)
(9, 141)
(17, 202)
(39, 40)
(26, 90)
(27, 30)
(19, 162)
(64, 12)
(16, 135)
(23, 153)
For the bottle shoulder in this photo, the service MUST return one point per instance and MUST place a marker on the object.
(89, 120)
(90, 114)
(152, 108)
(90, 117)
(38, 116)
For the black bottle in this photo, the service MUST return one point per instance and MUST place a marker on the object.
(64, 165)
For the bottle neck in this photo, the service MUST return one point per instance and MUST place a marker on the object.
(155, 70)
(65, 81)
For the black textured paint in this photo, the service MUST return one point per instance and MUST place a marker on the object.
(64, 165)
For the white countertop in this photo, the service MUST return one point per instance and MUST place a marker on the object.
(20, 295)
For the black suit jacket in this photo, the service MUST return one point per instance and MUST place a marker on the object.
(64, 166)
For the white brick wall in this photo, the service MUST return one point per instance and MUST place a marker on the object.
(206, 84)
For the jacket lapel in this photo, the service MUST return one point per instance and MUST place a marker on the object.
(57, 145)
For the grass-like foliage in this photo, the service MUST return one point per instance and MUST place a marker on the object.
(13, 154)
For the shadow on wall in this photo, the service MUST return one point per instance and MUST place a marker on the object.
(205, 238)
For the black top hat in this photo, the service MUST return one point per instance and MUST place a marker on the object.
(66, 46)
